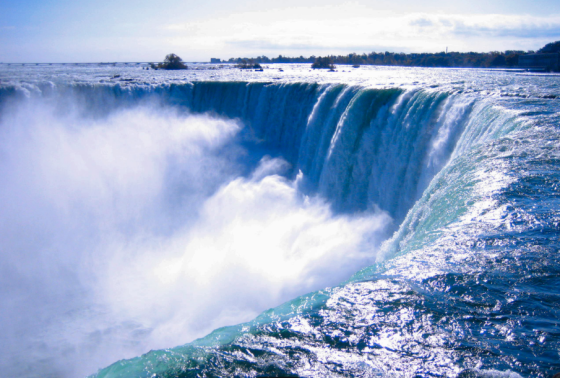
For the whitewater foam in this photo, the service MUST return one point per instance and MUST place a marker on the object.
(142, 232)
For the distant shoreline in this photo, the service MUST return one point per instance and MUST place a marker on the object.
(545, 59)
(145, 64)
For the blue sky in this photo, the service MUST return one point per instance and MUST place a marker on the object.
(141, 30)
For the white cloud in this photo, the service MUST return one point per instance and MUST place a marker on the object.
(336, 29)
(199, 32)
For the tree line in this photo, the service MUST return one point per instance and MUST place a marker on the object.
(507, 58)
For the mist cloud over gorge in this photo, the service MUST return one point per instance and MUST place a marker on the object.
(142, 229)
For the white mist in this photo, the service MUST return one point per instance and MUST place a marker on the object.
(137, 230)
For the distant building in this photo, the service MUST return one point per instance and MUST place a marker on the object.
(539, 62)
(215, 60)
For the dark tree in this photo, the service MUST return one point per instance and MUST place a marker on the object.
(508, 58)
(248, 64)
(171, 62)
(323, 63)
(498, 61)
(550, 48)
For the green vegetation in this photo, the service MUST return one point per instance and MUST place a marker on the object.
(249, 64)
(323, 63)
(550, 48)
(494, 59)
(171, 62)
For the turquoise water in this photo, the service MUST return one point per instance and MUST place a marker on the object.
(447, 179)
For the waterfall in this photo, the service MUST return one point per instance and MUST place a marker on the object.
(143, 216)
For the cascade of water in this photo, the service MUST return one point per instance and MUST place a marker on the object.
(359, 148)
(362, 151)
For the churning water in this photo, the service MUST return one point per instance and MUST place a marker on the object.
(379, 222)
